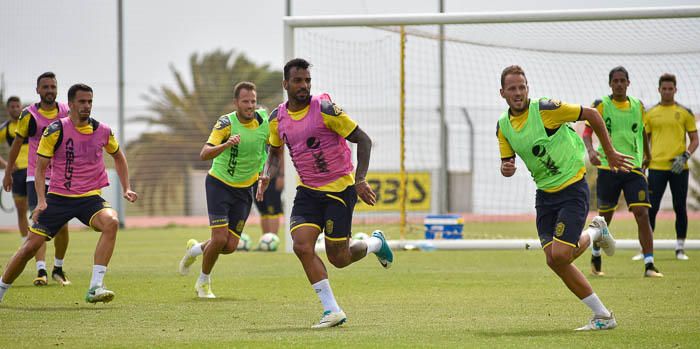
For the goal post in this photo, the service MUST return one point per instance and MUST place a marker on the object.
(383, 69)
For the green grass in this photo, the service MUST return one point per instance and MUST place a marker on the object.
(428, 299)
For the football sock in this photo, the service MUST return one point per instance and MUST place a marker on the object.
(98, 274)
(373, 244)
(58, 263)
(325, 294)
(203, 278)
(648, 258)
(596, 305)
(196, 250)
(595, 252)
(40, 265)
(680, 244)
(3, 288)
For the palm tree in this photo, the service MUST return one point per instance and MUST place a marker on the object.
(159, 161)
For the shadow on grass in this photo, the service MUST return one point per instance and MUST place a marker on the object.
(523, 333)
(81, 307)
(217, 300)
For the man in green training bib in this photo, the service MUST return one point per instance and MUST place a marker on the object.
(238, 145)
(623, 116)
(538, 131)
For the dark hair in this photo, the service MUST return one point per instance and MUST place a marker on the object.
(617, 69)
(48, 74)
(667, 77)
(13, 99)
(298, 63)
(73, 90)
(243, 85)
(512, 69)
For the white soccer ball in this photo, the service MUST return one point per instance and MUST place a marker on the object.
(360, 236)
(269, 242)
(244, 242)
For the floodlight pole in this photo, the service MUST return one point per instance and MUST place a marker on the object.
(444, 193)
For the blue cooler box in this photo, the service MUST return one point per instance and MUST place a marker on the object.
(443, 226)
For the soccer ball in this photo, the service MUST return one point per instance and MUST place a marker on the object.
(269, 242)
(360, 236)
(244, 242)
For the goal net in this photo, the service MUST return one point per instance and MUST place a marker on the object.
(566, 55)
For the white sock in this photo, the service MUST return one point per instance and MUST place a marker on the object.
(58, 263)
(373, 244)
(595, 252)
(196, 250)
(325, 294)
(3, 288)
(98, 274)
(648, 258)
(680, 244)
(203, 278)
(40, 265)
(593, 233)
(596, 305)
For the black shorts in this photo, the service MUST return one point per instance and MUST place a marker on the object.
(19, 183)
(271, 206)
(633, 184)
(31, 194)
(562, 215)
(330, 212)
(227, 205)
(61, 209)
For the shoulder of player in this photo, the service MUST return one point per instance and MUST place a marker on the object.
(273, 114)
(5, 125)
(331, 109)
(550, 104)
(223, 122)
(53, 128)
(25, 114)
(685, 108)
(597, 102)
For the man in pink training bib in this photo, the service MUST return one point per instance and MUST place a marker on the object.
(75, 146)
(316, 132)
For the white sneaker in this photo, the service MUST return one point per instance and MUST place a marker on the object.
(204, 289)
(681, 256)
(598, 323)
(330, 319)
(638, 257)
(99, 294)
(606, 240)
(187, 260)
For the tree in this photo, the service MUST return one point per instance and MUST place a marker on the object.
(184, 116)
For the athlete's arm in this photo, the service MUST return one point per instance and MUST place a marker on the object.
(617, 161)
(122, 168)
(647, 151)
(40, 185)
(12, 158)
(271, 167)
(209, 151)
(364, 149)
(693, 142)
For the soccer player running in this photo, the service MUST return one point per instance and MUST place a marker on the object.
(538, 131)
(30, 126)
(19, 172)
(624, 120)
(315, 131)
(74, 146)
(238, 145)
(666, 125)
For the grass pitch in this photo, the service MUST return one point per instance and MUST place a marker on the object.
(428, 299)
